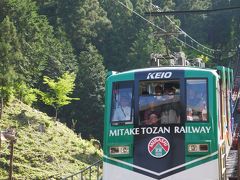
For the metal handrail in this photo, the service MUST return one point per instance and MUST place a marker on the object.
(222, 158)
(98, 164)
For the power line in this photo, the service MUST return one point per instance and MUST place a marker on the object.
(166, 31)
(142, 17)
(194, 48)
(183, 32)
(201, 11)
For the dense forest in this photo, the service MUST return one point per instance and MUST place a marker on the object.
(45, 43)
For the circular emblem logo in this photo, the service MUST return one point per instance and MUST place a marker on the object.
(158, 147)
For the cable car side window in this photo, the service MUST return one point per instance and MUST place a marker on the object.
(196, 95)
(159, 102)
(122, 103)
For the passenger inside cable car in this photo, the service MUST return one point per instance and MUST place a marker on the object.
(153, 119)
(196, 94)
(162, 99)
(122, 110)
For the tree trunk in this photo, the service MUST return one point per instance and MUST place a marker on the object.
(1, 108)
(0, 142)
(56, 111)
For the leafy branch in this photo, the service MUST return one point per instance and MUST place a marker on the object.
(58, 91)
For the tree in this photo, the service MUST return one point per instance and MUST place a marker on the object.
(221, 39)
(118, 40)
(82, 20)
(59, 91)
(44, 52)
(25, 93)
(90, 88)
(31, 31)
(195, 24)
(144, 45)
(61, 57)
(131, 40)
(11, 60)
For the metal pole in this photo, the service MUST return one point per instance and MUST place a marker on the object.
(238, 167)
(98, 171)
(0, 142)
(236, 71)
(1, 108)
(11, 160)
(90, 173)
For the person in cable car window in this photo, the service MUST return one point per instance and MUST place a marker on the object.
(158, 93)
(151, 108)
(170, 111)
(197, 101)
(145, 91)
(123, 111)
(189, 114)
(152, 119)
(158, 90)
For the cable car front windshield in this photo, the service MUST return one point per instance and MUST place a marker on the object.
(122, 110)
(159, 102)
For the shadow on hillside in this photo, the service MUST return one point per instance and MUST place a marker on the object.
(86, 158)
(25, 120)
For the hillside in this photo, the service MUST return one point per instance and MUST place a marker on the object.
(44, 149)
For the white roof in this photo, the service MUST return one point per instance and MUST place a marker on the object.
(169, 68)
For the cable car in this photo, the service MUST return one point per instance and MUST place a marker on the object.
(168, 123)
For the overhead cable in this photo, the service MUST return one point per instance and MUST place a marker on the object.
(201, 11)
(183, 32)
(142, 17)
(166, 31)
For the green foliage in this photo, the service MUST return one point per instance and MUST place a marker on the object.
(195, 24)
(90, 89)
(11, 60)
(61, 56)
(50, 152)
(82, 20)
(45, 38)
(131, 39)
(43, 53)
(204, 58)
(7, 93)
(118, 40)
(142, 48)
(33, 35)
(216, 30)
(25, 94)
(59, 91)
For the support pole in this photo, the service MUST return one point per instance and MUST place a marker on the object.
(1, 108)
(9, 136)
(0, 142)
(238, 167)
(11, 160)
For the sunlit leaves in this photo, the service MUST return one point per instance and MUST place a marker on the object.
(58, 90)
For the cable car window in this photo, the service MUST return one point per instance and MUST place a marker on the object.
(159, 102)
(122, 110)
(196, 94)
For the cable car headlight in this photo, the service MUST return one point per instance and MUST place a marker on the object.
(119, 150)
(197, 148)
